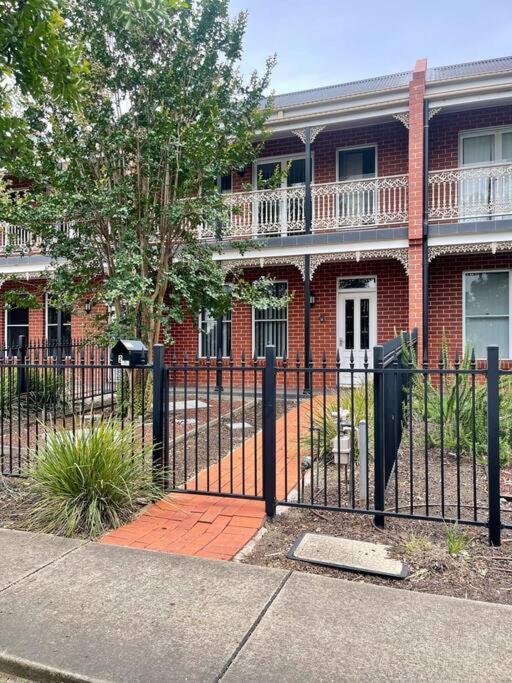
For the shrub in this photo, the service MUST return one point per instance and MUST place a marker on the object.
(139, 385)
(46, 387)
(8, 388)
(457, 542)
(464, 426)
(88, 481)
(326, 427)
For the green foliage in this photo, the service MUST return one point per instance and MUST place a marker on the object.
(457, 541)
(8, 388)
(46, 387)
(417, 544)
(20, 298)
(164, 111)
(134, 395)
(87, 482)
(458, 414)
(326, 426)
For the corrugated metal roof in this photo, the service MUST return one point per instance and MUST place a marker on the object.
(484, 66)
(391, 81)
(342, 90)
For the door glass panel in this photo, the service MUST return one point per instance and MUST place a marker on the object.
(365, 324)
(349, 323)
(265, 173)
(358, 283)
(476, 193)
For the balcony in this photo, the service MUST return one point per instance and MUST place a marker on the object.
(15, 240)
(470, 193)
(362, 203)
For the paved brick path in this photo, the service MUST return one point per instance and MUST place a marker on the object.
(214, 526)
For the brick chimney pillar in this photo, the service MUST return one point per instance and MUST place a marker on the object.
(416, 105)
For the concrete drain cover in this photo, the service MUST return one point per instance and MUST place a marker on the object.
(343, 553)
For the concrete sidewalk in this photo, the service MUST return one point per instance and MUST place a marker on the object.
(90, 612)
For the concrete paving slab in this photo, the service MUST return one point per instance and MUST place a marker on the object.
(117, 614)
(189, 405)
(323, 629)
(348, 554)
(22, 553)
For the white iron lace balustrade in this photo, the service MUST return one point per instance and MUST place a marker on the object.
(471, 192)
(15, 239)
(340, 205)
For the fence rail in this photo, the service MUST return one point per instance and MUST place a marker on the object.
(387, 439)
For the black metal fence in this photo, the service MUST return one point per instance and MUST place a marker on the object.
(387, 439)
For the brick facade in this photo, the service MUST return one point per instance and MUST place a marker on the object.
(391, 310)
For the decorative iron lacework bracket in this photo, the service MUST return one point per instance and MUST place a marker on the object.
(400, 254)
(480, 247)
(403, 117)
(301, 133)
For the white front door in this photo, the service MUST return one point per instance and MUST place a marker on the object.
(357, 321)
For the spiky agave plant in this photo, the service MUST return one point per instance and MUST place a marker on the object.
(88, 481)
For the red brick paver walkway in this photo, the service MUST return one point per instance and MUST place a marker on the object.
(214, 526)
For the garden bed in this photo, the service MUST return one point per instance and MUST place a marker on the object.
(476, 572)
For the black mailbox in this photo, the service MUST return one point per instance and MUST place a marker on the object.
(129, 353)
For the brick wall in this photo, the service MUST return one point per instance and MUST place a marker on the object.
(392, 296)
(445, 129)
(81, 323)
(391, 140)
(446, 293)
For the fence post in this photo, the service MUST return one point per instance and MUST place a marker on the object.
(158, 414)
(493, 443)
(269, 431)
(378, 402)
(21, 359)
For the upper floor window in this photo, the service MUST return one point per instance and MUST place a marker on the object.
(283, 171)
(487, 311)
(478, 148)
(357, 164)
(226, 183)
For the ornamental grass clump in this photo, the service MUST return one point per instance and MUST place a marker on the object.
(88, 481)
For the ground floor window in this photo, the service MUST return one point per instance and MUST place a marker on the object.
(208, 335)
(16, 324)
(271, 325)
(58, 327)
(487, 311)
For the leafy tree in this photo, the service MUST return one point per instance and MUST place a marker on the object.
(121, 187)
(37, 55)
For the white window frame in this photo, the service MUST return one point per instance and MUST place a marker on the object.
(352, 148)
(497, 131)
(46, 323)
(280, 159)
(488, 270)
(6, 326)
(199, 336)
(276, 282)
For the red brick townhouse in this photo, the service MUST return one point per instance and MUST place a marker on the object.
(396, 212)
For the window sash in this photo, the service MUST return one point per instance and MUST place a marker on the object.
(493, 321)
(208, 335)
(270, 325)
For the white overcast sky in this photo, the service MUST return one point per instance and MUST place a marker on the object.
(321, 42)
